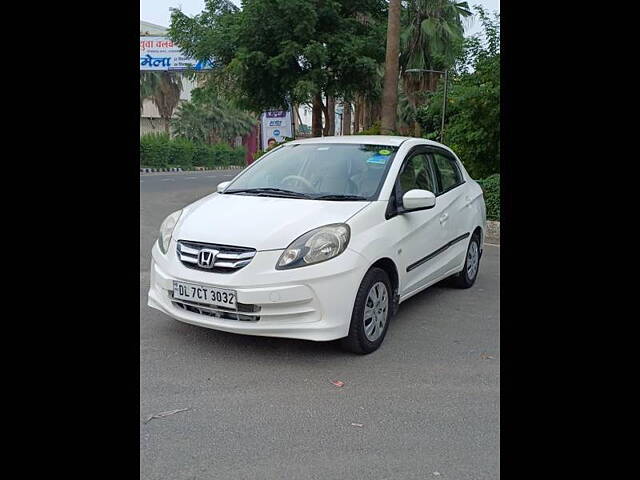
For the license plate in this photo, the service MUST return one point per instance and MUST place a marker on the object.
(220, 297)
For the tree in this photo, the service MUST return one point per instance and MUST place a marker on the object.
(432, 39)
(472, 123)
(294, 51)
(346, 118)
(163, 88)
(148, 84)
(211, 119)
(391, 70)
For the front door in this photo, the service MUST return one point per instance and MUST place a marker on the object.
(420, 232)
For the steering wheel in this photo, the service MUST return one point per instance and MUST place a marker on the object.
(300, 180)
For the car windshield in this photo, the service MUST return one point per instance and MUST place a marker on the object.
(318, 171)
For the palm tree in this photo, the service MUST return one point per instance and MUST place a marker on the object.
(390, 91)
(211, 121)
(148, 84)
(431, 40)
(167, 95)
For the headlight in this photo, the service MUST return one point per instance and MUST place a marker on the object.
(166, 230)
(315, 246)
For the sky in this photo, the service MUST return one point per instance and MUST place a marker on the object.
(157, 11)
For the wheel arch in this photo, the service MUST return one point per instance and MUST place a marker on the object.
(480, 233)
(389, 266)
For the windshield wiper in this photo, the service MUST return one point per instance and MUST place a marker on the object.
(271, 192)
(339, 197)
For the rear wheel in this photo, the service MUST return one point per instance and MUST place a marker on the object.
(467, 277)
(371, 313)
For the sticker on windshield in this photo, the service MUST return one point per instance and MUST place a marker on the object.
(379, 158)
(385, 152)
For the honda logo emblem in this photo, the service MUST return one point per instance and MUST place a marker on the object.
(207, 257)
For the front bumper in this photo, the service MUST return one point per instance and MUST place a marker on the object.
(310, 303)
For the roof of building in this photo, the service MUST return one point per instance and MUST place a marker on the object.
(151, 29)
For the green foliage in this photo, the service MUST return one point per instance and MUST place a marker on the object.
(149, 82)
(472, 123)
(304, 129)
(163, 89)
(160, 151)
(433, 33)
(282, 51)
(373, 130)
(491, 189)
(210, 119)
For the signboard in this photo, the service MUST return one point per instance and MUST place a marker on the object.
(160, 53)
(276, 124)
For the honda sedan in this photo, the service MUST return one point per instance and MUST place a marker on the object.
(322, 239)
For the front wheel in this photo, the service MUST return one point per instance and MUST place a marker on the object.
(467, 277)
(371, 313)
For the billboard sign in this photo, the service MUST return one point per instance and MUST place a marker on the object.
(276, 124)
(160, 53)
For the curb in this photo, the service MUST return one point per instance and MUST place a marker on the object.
(197, 169)
(149, 170)
(493, 232)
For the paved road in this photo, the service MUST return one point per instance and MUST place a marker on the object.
(264, 408)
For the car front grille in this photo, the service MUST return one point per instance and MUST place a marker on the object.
(228, 260)
(244, 313)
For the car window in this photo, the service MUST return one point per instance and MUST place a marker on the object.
(416, 174)
(321, 169)
(448, 172)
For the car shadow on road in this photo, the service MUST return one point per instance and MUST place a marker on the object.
(233, 343)
(205, 339)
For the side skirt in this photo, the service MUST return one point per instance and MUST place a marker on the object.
(427, 285)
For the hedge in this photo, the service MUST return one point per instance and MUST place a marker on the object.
(160, 151)
(491, 188)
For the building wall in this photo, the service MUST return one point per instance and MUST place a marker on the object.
(151, 125)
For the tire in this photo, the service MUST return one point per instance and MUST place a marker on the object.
(366, 337)
(467, 277)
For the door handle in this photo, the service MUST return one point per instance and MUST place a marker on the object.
(443, 218)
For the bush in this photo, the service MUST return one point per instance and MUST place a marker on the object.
(373, 130)
(159, 151)
(154, 150)
(491, 188)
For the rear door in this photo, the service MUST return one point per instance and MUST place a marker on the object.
(452, 196)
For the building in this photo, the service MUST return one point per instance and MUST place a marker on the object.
(150, 120)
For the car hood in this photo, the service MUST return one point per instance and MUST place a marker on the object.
(263, 223)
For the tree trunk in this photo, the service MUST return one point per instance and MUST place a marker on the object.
(366, 114)
(356, 116)
(391, 69)
(331, 109)
(316, 115)
(376, 113)
(327, 120)
(346, 118)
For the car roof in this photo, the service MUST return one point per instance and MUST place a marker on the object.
(391, 140)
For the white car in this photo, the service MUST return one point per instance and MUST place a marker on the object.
(321, 239)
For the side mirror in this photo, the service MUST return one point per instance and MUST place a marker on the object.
(418, 200)
(222, 186)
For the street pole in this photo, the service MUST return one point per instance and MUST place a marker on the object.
(444, 105)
